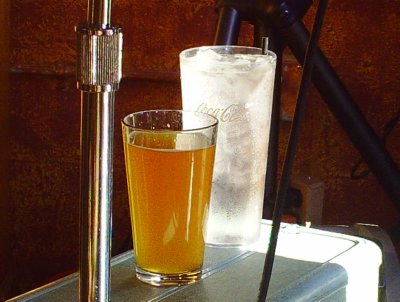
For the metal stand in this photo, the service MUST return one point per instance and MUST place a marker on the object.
(99, 74)
(281, 18)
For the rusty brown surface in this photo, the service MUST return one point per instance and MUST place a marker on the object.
(45, 112)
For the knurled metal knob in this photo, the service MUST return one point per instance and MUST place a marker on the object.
(99, 61)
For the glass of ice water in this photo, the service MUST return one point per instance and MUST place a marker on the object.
(234, 84)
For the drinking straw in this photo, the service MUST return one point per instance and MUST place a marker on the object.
(264, 45)
(291, 150)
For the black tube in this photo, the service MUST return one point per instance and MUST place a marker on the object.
(285, 181)
(347, 113)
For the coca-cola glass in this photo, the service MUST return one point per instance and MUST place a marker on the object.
(235, 84)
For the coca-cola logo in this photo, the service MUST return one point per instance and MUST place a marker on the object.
(232, 113)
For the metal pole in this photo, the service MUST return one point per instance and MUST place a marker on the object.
(98, 75)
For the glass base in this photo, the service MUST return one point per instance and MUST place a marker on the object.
(230, 241)
(178, 279)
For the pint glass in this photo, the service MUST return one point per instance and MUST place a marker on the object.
(169, 156)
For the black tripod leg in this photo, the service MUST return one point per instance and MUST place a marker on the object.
(228, 26)
(347, 113)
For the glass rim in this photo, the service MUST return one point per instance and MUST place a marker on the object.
(213, 120)
(183, 53)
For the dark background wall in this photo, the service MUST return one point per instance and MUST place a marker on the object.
(4, 99)
(40, 193)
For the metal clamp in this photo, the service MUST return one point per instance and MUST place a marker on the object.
(99, 62)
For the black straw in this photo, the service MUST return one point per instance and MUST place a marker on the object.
(291, 150)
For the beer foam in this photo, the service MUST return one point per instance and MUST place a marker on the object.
(191, 141)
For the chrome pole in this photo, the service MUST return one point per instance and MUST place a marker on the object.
(99, 64)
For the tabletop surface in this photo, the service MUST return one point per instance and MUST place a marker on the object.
(310, 265)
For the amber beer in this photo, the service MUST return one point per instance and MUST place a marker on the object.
(169, 196)
(169, 183)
